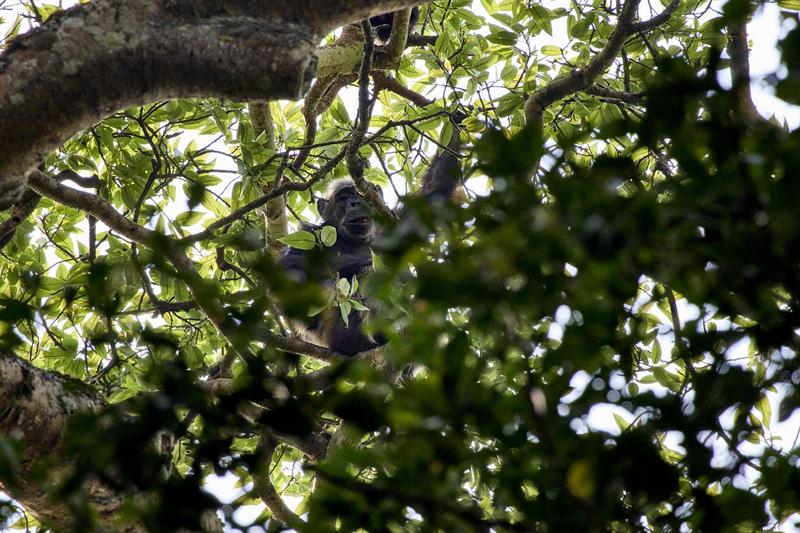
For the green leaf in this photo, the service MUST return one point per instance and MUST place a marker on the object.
(666, 379)
(543, 18)
(765, 409)
(343, 285)
(301, 240)
(189, 218)
(345, 309)
(377, 262)
(550, 50)
(502, 37)
(327, 235)
(622, 424)
(358, 306)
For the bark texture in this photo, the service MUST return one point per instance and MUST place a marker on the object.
(94, 59)
(34, 408)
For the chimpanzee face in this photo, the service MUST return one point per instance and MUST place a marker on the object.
(348, 213)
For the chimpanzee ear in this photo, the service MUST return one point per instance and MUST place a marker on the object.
(322, 205)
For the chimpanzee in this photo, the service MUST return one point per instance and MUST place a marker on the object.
(350, 256)
(383, 24)
(344, 209)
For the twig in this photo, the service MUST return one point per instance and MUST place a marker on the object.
(676, 329)
(255, 204)
(611, 94)
(225, 265)
(658, 20)
(384, 81)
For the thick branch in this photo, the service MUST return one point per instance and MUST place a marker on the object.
(399, 37)
(344, 56)
(34, 408)
(96, 58)
(298, 346)
(266, 490)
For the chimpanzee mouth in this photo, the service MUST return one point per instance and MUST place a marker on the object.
(359, 221)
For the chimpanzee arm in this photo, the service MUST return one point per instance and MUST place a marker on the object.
(444, 174)
(294, 263)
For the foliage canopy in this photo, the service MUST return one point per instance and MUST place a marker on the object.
(635, 257)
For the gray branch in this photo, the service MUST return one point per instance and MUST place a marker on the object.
(96, 58)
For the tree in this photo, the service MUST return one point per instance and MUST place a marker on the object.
(634, 250)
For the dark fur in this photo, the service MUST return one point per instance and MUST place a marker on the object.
(351, 255)
(383, 24)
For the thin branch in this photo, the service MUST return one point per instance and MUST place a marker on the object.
(294, 186)
(421, 40)
(611, 94)
(94, 205)
(658, 20)
(27, 204)
(185, 268)
(255, 204)
(385, 82)
(676, 328)
(582, 78)
(355, 163)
